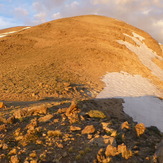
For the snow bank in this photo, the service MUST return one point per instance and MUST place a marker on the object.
(144, 53)
(139, 95)
(7, 33)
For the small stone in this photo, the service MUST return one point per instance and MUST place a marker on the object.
(75, 128)
(88, 129)
(111, 151)
(5, 146)
(3, 127)
(89, 136)
(39, 142)
(125, 125)
(21, 113)
(2, 105)
(14, 159)
(96, 114)
(33, 154)
(56, 120)
(54, 133)
(11, 120)
(13, 152)
(42, 109)
(45, 118)
(140, 129)
(124, 151)
(33, 161)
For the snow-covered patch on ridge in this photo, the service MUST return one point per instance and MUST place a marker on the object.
(139, 94)
(138, 36)
(7, 33)
(144, 53)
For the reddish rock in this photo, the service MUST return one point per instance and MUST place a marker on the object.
(140, 129)
(88, 129)
(45, 118)
(2, 105)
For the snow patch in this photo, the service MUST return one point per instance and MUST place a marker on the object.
(138, 36)
(139, 94)
(144, 53)
(7, 33)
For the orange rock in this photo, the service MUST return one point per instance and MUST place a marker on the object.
(111, 151)
(2, 105)
(14, 159)
(74, 128)
(125, 125)
(45, 118)
(140, 129)
(88, 129)
(124, 151)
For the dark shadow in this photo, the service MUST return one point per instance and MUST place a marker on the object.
(28, 103)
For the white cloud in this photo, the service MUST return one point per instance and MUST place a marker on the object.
(56, 15)
(40, 17)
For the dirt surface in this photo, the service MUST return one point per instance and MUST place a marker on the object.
(44, 60)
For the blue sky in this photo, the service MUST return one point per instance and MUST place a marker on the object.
(144, 14)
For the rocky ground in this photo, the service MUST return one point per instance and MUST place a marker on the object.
(74, 131)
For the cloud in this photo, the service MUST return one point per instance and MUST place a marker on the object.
(144, 14)
(56, 15)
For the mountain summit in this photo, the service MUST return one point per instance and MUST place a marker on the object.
(79, 90)
(78, 50)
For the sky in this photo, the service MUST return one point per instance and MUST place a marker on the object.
(144, 14)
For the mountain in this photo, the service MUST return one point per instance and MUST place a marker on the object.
(76, 50)
(80, 89)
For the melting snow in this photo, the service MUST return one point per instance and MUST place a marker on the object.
(139, 95)
(144, 53)
(7, 33)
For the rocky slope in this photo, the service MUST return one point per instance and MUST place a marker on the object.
(50, 76)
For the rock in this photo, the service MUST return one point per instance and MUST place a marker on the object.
(88, 129)
(13, 152)
(56, 120)
(109, 140)
(140, 129)
(14, 159)
(3, 120)
(54, 133)
(74, 128)
(42, 109)
(33, 161)
(11, 120)
(2, 105)
(3, 127)
(96, 114)
(111, 151)
(159, 152)
(125, 125)
(45, 118)
(33, 154)
(72, 108)
(124, 151)
(21, 113)
(105, 126)
(4, 146)
(31, 126)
